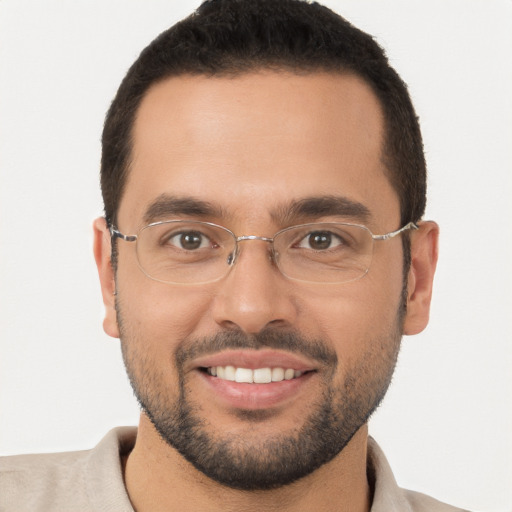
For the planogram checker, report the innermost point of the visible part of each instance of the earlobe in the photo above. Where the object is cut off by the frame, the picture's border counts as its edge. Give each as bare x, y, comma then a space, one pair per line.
424, 252
102, 255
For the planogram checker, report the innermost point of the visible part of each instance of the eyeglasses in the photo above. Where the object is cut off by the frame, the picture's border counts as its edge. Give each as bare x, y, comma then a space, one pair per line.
193, 252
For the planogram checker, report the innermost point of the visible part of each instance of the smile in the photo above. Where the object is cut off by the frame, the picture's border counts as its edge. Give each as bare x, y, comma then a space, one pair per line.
256, 376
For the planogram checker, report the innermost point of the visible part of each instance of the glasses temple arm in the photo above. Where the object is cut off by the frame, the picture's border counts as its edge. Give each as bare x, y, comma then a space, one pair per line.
410, 225
114, 233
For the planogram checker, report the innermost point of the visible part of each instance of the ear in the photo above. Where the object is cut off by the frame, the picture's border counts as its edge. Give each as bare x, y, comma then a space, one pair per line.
102, 255
424, 251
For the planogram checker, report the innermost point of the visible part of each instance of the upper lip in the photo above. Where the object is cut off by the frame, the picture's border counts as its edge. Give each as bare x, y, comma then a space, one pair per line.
254, 359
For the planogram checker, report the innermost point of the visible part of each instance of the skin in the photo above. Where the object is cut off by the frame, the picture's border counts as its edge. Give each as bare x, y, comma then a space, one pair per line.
252, 144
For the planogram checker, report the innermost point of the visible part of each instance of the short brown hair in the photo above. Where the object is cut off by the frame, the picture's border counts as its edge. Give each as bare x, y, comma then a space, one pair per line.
231, 37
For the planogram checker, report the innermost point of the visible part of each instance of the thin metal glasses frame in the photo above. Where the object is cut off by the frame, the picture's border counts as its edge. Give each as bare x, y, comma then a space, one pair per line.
115, 233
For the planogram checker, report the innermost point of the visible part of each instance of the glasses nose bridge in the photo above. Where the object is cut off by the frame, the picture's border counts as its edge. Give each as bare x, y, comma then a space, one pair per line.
244, 238
253, 237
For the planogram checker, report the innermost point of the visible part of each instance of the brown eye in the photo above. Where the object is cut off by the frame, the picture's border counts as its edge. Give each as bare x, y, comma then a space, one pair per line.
320, 241
189, 241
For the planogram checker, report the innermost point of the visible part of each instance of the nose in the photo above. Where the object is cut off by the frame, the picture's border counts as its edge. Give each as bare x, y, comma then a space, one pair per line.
254, 295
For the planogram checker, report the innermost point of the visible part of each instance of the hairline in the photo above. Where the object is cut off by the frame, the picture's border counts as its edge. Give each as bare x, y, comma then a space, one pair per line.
385, 156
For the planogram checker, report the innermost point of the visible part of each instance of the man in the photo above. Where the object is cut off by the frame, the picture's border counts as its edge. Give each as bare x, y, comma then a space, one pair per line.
262, 254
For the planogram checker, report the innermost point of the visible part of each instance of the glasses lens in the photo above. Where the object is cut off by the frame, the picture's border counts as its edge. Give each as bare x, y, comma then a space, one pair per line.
324, 253
184, 252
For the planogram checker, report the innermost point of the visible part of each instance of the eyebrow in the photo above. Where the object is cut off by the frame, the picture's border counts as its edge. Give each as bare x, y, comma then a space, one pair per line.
166, 205
311, 208
300, 210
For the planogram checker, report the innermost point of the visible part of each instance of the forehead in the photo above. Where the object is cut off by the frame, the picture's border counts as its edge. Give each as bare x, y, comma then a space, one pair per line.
252, 144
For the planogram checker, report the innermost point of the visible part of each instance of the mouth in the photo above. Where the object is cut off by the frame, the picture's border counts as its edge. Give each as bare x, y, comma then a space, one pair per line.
253, 376
248, 379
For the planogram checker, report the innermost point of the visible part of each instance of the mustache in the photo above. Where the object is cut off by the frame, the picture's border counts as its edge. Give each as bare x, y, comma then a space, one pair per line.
290, 341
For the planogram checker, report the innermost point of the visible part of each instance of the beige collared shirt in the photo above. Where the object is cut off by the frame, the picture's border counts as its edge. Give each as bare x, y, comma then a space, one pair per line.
92, 481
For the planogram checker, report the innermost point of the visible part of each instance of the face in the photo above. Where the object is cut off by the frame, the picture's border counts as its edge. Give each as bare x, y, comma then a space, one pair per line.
243, 153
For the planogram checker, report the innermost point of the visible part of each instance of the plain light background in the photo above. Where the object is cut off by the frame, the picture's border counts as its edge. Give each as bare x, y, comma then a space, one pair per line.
446, 424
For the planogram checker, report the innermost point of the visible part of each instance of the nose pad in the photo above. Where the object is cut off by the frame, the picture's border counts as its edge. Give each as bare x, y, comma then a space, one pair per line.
232, 256
273, 256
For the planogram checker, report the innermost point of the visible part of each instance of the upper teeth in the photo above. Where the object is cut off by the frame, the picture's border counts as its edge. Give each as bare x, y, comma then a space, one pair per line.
258, 376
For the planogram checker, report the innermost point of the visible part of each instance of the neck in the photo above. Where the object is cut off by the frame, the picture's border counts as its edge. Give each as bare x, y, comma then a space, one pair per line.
158, 478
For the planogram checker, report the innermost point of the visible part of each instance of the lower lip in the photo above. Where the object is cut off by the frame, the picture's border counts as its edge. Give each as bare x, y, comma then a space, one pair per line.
246, 396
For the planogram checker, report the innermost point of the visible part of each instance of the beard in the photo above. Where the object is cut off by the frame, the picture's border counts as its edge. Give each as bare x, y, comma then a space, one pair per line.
244, 460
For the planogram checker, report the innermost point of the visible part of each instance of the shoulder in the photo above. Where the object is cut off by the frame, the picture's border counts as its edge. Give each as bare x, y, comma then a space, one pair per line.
36, 482
420, 502
387, 495
58, 481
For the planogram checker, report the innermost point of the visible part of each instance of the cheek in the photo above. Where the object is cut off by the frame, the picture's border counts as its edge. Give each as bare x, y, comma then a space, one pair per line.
166, 313
356, 315
160, 314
